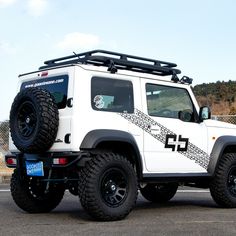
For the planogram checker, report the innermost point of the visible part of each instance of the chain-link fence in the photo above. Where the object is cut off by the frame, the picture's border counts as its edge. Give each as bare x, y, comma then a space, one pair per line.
4, 144
4, 134
225, 118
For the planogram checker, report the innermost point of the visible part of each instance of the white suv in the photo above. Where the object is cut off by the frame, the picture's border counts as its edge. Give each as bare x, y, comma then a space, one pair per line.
105, 124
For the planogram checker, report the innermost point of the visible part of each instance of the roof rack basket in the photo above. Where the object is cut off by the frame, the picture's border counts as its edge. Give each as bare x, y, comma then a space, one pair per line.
115, 61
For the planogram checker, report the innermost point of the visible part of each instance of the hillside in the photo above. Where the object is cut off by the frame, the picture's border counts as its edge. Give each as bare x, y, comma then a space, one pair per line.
220, 96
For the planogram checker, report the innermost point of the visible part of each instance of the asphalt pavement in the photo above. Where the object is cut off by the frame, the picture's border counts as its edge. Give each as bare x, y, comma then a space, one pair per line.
190, 212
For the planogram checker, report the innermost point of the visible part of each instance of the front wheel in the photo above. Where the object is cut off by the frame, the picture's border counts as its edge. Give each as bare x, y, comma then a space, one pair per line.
159, 193
223, 185
33, 196
108, 187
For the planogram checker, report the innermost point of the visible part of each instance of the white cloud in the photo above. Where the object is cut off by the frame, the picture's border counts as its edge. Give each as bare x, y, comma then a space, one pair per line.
37, 7
76, 40
5, 3
7, 48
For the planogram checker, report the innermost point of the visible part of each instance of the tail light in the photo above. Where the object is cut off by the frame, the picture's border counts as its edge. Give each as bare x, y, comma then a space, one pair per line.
60, 161
10, 160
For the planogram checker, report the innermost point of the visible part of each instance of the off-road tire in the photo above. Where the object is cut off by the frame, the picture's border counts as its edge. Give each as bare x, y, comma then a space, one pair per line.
22, 191
223, 185
108, 187
34, 120
159, 193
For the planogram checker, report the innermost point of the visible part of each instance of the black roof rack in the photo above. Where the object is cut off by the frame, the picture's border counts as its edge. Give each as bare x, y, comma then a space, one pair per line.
115, 61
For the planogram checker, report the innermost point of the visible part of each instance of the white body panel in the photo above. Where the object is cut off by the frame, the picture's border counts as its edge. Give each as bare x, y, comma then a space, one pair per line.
159, 159
217, 129
65, 115
92, 119
81, 118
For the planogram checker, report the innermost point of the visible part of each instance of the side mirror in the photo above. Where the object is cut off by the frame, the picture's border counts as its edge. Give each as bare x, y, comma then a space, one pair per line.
204, 114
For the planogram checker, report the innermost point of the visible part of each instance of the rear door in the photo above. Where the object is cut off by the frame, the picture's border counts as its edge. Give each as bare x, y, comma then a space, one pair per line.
60, 84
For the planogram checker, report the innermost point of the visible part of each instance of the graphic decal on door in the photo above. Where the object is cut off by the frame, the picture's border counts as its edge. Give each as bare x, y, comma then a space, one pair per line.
176, 143
168, 138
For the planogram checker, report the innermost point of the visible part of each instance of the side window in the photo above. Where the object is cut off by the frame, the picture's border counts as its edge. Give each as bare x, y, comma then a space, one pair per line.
170, 102
112, 95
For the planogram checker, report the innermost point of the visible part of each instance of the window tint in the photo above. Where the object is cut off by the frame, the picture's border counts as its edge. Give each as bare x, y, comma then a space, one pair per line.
57, 86
170, 102
111, 95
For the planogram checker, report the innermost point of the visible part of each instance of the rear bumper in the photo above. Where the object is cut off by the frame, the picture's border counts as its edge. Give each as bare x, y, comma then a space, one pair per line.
17, 160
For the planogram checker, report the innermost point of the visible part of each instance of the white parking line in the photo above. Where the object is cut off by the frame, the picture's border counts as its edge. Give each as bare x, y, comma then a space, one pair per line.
193, 191
179, 191
4, 190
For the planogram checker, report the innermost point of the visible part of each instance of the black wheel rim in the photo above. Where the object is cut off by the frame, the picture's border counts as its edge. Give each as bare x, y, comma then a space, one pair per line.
114, 187
26, 119
232, 181
37, 188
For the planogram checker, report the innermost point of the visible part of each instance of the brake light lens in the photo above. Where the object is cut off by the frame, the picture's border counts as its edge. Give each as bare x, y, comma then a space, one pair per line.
11, 161
60, 161
44, 73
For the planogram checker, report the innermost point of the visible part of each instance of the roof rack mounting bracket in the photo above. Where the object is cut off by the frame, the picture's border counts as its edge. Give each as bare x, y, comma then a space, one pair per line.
111, 66
175, 78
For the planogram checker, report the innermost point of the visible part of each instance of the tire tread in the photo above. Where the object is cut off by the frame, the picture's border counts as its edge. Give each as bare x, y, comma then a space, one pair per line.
218, 188
88, 177
48, 120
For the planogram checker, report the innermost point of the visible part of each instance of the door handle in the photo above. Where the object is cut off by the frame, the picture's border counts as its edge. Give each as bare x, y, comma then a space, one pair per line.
155, 129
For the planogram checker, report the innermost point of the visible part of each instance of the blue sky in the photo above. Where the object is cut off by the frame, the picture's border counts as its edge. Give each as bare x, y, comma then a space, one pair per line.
200, 36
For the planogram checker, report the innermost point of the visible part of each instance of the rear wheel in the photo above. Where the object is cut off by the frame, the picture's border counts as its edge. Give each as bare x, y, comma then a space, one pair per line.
108, 187
223, 186
159, 193
33, 195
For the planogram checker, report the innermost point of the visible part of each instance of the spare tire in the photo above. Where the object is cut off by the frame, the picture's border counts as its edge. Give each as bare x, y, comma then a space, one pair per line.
34, 120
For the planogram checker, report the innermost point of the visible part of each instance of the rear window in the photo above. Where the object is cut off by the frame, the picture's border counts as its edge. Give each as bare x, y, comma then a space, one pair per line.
57, 86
